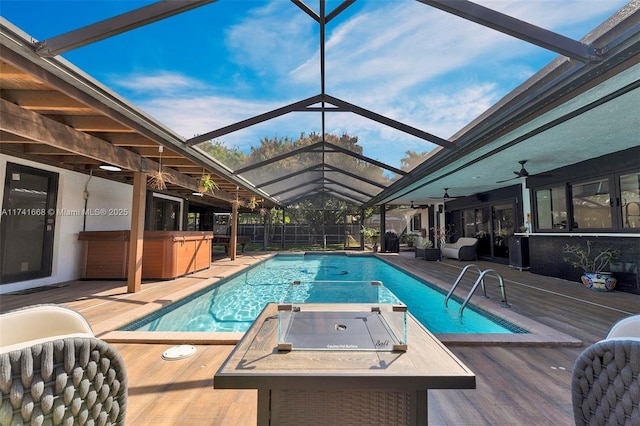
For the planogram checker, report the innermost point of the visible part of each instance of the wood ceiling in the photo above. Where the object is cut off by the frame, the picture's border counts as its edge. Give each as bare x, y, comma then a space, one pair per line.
52, 121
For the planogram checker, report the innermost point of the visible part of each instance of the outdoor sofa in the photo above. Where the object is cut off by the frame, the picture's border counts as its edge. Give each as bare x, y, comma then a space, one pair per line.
463, 249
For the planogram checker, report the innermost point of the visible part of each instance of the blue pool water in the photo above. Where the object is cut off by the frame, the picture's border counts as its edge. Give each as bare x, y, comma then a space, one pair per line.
233, 304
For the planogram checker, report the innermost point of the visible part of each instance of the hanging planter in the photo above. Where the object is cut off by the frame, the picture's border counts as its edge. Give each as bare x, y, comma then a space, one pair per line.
158, 180
206, 184
253, 203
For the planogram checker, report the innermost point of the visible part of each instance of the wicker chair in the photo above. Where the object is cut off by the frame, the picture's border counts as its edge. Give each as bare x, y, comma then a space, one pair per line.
605, 383
626, 327
54, 371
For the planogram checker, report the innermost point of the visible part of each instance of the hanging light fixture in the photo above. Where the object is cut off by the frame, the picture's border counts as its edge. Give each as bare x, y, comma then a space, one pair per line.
446, 194
110, 168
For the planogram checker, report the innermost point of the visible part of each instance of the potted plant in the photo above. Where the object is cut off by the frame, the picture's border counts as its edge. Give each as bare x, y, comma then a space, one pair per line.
410, 239
420, 249
592, 262
372, 235
427, 251
441, 235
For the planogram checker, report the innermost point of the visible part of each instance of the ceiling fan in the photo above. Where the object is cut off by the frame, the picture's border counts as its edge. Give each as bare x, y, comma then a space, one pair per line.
418, 206
522, 173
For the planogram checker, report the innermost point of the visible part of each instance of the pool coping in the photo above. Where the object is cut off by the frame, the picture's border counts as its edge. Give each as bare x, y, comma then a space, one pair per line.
539, 334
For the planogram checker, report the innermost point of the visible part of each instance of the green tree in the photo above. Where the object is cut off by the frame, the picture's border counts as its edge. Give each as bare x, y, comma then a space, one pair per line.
412, 159
230, 157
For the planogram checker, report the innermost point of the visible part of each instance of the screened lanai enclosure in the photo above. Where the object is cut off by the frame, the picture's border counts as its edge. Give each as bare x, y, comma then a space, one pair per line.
326, 122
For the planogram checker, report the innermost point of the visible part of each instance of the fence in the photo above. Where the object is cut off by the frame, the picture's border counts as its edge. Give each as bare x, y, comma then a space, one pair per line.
302, 234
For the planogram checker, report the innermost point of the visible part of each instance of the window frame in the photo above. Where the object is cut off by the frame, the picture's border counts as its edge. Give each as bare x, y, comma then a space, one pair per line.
615, 204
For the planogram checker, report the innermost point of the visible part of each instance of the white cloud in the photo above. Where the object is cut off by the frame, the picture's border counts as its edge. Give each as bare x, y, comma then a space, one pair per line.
272, 39
163, 82
404, 60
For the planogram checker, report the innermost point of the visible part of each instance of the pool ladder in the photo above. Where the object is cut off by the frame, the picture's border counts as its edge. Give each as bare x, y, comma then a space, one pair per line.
480, 280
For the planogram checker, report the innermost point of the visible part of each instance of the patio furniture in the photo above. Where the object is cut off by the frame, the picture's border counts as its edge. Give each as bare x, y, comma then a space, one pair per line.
225, 240
605, 387
327, 386
53, 369
391, 242
463, 249
626, 327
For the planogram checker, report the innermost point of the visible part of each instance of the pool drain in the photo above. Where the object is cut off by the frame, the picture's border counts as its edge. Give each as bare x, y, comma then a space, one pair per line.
179, 352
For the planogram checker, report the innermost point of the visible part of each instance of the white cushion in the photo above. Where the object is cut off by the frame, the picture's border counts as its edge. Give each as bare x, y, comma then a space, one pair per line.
40, 322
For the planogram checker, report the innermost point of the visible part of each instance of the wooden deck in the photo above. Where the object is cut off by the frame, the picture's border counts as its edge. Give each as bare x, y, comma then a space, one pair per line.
518, 383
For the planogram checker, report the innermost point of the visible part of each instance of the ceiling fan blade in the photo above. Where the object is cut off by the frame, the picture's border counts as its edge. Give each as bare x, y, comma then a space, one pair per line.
507, 180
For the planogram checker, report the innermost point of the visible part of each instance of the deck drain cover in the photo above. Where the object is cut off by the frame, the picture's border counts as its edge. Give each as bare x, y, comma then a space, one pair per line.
179, 352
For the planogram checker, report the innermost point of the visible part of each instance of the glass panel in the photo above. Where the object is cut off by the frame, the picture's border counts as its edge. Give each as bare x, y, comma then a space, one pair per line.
341, 315
552, 208
483, 216
24, 231
193, 221
591, 205
416, 222
469, 223
28, 221
630, 203
166, 215
503, 227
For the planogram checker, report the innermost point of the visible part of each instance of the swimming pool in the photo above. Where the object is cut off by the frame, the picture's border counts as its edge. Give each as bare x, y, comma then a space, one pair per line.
234, 303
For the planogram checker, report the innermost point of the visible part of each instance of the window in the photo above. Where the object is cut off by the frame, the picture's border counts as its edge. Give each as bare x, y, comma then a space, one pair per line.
469, 223
551, 208
591, 203
193, 221
630, 200
166, 213
416, 222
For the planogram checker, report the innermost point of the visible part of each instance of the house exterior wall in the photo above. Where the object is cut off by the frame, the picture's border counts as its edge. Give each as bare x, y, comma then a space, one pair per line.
548, 258
111, 202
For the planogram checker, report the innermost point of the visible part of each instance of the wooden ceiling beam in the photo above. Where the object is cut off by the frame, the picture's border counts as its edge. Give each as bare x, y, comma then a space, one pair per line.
127, 139
28, 124
41, 149
155, 153
182, 163
91, 123
77, 159
14, 78
6, 137
44, 100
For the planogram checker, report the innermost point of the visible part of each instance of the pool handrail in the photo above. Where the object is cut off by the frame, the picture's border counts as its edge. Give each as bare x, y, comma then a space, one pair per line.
480, 279
455, 284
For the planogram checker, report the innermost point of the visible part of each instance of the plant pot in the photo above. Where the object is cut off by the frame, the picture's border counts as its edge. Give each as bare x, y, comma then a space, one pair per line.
432, 254
602, 281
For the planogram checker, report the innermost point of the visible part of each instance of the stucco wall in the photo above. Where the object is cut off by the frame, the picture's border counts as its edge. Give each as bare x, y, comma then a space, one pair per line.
109, 202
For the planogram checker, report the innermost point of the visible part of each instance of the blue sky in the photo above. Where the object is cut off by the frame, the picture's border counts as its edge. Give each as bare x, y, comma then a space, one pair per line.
234, 59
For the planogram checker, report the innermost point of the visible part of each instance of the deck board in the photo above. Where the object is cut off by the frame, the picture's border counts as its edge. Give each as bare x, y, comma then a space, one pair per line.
516, 385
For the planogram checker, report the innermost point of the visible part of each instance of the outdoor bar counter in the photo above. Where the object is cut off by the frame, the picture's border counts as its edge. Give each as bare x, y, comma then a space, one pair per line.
165, 254
321, 387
